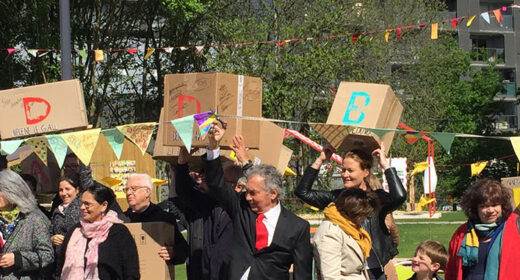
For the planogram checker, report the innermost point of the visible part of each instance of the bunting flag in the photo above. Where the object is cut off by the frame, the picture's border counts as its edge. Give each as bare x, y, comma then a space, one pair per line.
111, 181
334, 134
515, 142
289, 172
204, 121
310, 143
355, 37
199, 49
158, 182
39, 147
33, 52
184, 127
419, 167
445, 139
115, 139
82, 54
477, 167
485, 16
99, 56
149, 52
435, 31
399, 31
498, 15
430, 177
82, 143
454, 22
380, 132
58, 147
10, 51
132, 51
183, 48
9, 146
387, 34
168, 49
470, 20
139, 133
411, 137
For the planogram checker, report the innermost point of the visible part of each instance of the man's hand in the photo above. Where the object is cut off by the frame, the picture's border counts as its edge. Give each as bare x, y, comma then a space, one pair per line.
166, 253
215, 134
6, 260
57, 239
239, 147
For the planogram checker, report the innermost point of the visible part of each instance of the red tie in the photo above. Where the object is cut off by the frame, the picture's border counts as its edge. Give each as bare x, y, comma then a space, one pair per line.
261, 233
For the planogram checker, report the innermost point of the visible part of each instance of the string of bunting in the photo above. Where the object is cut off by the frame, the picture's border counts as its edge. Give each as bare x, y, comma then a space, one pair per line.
434, 26
83, 143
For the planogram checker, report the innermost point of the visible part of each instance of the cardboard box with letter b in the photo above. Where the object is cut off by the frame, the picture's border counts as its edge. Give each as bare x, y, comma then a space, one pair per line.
365, 105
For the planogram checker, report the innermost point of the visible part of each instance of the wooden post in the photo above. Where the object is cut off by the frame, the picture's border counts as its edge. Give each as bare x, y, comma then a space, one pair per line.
412, 193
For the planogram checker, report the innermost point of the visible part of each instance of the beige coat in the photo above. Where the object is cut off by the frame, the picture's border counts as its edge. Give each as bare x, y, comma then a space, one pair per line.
337, 255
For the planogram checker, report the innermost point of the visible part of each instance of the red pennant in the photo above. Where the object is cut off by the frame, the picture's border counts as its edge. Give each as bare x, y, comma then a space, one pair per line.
132, 51
422, 25
10, 51
504, 8
410, 27
281, 43
399, 31
355, 36
334, 90
498, 15
411, 137
454, 22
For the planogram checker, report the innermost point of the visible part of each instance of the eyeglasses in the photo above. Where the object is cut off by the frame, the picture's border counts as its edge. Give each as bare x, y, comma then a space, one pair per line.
133, 189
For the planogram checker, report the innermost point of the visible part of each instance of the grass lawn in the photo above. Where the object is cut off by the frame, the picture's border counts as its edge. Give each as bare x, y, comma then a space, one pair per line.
180, 272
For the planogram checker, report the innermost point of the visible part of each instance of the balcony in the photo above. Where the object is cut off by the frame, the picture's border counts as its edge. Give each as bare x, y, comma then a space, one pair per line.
506, 122
506, 25
489, 55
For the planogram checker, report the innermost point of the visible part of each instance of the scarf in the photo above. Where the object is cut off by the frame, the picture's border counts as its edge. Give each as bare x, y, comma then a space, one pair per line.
356, 232
8, 222
75, 266
470, 246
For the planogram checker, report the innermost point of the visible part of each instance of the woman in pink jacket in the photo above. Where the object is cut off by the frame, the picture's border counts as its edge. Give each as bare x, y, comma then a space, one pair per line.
488, 245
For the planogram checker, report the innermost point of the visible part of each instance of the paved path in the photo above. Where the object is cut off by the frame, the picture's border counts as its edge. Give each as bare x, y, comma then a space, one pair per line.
431, 222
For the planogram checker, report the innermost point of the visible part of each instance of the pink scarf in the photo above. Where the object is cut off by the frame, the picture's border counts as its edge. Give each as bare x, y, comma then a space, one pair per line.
75, 254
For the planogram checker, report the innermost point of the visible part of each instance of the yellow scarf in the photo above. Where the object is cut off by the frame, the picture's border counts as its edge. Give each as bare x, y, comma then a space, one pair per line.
359, 234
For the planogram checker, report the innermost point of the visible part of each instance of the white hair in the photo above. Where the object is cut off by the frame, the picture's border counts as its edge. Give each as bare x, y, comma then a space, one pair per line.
146, 177
14, 188
272, 179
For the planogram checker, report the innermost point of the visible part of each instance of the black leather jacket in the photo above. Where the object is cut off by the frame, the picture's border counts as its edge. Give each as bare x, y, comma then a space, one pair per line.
383, 248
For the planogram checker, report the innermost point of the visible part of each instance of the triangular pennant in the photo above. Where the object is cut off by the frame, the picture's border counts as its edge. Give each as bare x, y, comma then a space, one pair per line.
82, 143
399, 31
82, 54
168, 50
33, 52
115, 139
39, 147
183, 48
355, 37
149, 52
477, 167
58, 147
44, 53
411, 137
498, 15
139, 133
445, 139
387, 34
281, 43
380, 132
454, 22
10, 146
199, 49
470, 20
435, 31
504, 8
485, 16
419, 167
515, 142
184, 127
10, 51
99, 56
334, 134
158, 182
132, 51
204, 121
112, 182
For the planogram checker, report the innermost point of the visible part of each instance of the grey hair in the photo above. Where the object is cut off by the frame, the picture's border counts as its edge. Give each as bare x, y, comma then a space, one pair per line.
147, 178
14, 188
272, 179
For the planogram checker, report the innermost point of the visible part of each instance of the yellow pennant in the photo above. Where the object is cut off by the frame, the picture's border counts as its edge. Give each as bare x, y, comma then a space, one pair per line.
39, 147
289, 172
111, 181
419, 167
477, 167
149, 52
387, 34
99, 56
159, 182
82, 143
423, 202
470, 20
435, 31
139, 133
515, 142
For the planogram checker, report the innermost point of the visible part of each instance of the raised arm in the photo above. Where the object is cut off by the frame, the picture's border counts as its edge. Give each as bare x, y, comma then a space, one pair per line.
397, 194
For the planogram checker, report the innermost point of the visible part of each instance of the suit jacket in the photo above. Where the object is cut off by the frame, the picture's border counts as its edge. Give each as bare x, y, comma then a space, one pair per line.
290, 244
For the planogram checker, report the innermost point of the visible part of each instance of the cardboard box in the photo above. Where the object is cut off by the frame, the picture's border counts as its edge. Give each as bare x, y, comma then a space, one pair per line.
42, 109
271, 150
514, 184
187, 94
149, 238
365, 105
46, 175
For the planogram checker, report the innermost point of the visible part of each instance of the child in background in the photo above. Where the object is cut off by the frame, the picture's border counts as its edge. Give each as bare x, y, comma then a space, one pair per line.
430, 256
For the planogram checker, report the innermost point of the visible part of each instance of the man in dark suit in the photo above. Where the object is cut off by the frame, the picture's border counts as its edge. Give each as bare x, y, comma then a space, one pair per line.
267, 237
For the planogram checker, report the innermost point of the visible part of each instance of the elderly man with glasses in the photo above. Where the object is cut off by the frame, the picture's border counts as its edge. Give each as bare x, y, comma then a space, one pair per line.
138, 190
